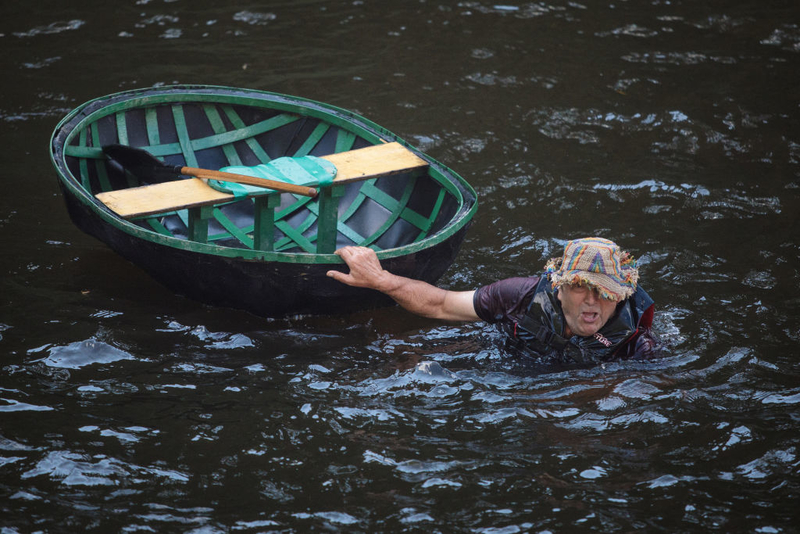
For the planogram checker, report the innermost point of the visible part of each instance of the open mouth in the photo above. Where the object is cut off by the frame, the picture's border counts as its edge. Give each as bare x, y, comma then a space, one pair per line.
590, 317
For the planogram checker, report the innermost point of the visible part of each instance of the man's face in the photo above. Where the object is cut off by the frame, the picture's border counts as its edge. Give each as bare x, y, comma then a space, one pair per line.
584, 309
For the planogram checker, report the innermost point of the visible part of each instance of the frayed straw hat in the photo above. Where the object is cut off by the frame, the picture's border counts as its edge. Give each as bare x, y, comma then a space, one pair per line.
597, 263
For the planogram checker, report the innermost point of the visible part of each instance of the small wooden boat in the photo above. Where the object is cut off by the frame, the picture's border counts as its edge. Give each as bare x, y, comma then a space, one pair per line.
259, 249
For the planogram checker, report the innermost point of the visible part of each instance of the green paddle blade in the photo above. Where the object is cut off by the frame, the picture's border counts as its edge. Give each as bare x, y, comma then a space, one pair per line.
305, 170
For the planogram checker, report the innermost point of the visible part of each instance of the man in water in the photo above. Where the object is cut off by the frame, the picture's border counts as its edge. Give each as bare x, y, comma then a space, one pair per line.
587, 307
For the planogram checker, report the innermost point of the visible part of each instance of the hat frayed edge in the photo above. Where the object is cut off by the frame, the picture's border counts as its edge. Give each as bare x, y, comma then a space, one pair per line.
626, 289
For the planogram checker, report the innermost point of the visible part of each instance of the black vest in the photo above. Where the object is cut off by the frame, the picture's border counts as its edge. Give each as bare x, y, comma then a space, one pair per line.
541, 329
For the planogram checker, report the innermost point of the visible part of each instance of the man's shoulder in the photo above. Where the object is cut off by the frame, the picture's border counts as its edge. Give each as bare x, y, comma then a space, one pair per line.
512, 287
505, 297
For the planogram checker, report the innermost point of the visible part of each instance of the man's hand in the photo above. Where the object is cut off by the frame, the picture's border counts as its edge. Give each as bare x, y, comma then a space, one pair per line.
365, 268
415, 296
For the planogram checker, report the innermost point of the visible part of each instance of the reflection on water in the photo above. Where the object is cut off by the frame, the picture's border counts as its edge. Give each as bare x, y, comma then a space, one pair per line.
669, 127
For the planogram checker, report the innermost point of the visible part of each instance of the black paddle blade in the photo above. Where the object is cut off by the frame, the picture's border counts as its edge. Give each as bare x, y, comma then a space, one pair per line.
141, 163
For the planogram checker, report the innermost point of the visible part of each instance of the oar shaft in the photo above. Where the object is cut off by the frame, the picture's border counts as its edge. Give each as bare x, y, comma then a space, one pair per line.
249, 180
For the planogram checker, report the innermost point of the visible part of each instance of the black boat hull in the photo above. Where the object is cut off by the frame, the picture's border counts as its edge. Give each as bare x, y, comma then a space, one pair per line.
266, 289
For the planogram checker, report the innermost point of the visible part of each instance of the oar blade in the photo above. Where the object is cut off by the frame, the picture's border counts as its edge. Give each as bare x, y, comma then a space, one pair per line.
142, 164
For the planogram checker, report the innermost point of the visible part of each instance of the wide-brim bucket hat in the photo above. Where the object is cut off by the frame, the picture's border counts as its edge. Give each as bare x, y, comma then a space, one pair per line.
597, 263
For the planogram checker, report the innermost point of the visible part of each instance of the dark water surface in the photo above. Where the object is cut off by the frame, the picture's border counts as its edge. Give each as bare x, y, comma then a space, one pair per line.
669, 126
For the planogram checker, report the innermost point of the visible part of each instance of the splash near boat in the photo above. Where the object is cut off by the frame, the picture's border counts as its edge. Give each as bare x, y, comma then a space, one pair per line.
238, 198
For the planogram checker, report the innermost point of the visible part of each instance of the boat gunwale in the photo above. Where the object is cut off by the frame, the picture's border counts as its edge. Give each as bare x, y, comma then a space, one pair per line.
95, 109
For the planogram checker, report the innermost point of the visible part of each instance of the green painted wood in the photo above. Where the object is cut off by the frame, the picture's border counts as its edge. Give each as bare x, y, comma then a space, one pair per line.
434, 213
264, 221
185, 145
83, 152
232, 229
218, 126
183, 136
328, 216
100, 165
151, 122
122, 138
391, 204
298, 206
251, 143
198, 223
394, 214
246, 132
313, 139
296, 237
155, 224
341, 225
122, 128
344, 141
415, 218
379, 196
83, 164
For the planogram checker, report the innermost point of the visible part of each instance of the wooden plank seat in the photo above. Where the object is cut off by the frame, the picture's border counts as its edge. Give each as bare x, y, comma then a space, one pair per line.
194, 194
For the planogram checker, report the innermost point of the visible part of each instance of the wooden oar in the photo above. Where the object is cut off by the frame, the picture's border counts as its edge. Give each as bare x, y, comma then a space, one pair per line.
144, 165
376, 161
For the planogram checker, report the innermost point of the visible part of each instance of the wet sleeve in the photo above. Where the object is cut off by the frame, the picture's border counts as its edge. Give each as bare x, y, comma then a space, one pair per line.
646, 346
503, 299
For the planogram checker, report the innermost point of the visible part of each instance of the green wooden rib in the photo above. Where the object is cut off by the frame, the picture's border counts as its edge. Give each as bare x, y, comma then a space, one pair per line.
83, 164
122, 128
122, 137
102, 175
82, 151
232, 229
185, 146
239, 124
341, 225
296, 237
214, 118
391, 204
312, 140
246, 132
415, 218
434, 213
344, 141
183, 136
394, 214
151, 122
167, 149
156, 225
185, 149
294, 233
379, 196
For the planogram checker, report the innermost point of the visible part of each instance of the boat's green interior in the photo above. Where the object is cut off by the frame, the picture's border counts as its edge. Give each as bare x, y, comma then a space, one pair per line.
383, 213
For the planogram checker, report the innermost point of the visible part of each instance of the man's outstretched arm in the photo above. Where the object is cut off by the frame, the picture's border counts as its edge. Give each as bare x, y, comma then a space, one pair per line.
416, 296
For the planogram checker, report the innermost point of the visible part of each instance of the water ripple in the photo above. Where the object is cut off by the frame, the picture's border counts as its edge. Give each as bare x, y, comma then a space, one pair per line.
52, 28
12, 405
787, 37
83, 353
73, 469
677, 58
